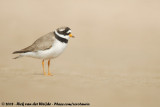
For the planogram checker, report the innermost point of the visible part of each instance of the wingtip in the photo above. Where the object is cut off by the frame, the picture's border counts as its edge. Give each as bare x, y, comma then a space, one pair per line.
13, 52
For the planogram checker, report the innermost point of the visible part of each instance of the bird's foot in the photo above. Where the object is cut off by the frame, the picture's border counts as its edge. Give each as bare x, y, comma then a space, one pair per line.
50, 74
45, 74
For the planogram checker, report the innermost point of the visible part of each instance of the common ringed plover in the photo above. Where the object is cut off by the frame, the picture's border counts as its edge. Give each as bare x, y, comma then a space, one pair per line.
48, 46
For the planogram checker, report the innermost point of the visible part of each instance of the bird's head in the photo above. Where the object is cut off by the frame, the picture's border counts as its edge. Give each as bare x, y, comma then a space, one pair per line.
64, 32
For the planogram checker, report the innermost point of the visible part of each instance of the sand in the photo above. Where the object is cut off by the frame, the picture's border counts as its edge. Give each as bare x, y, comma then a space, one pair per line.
114, 61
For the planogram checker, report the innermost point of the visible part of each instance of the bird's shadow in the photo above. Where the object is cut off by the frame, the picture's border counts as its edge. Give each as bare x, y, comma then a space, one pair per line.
38, 74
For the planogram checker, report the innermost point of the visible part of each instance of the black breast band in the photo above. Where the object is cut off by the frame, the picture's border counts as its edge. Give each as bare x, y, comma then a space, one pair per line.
60, 38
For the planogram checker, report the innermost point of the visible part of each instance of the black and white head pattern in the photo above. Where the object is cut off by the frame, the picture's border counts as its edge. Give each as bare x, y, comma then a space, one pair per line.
62, 34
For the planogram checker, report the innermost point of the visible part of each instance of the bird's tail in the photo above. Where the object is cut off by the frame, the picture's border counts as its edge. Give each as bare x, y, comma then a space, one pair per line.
18, 52
18, 57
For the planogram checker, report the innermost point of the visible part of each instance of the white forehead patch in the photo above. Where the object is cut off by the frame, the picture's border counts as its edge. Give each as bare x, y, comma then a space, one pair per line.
69, 31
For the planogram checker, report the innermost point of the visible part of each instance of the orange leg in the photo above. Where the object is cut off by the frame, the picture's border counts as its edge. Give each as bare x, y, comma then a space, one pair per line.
43, 67
48, 68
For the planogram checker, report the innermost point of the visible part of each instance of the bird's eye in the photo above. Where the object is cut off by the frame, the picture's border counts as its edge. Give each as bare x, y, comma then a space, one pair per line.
69, 31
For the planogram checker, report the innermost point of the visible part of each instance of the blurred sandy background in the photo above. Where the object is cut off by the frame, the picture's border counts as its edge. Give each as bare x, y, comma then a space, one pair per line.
114, 61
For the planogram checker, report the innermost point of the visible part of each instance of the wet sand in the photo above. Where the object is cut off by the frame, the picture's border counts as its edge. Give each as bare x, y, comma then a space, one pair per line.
114, 60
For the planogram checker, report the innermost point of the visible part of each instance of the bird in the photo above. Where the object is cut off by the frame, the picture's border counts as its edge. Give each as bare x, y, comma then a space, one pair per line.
47, 47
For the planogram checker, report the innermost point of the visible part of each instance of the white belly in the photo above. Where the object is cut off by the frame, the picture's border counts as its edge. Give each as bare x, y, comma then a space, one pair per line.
56, 49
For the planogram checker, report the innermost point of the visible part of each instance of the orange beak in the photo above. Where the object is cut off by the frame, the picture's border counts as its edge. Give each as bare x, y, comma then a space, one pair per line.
70, 35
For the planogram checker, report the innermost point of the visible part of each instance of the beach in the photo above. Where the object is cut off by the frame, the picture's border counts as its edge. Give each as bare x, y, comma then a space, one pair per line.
113, 61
